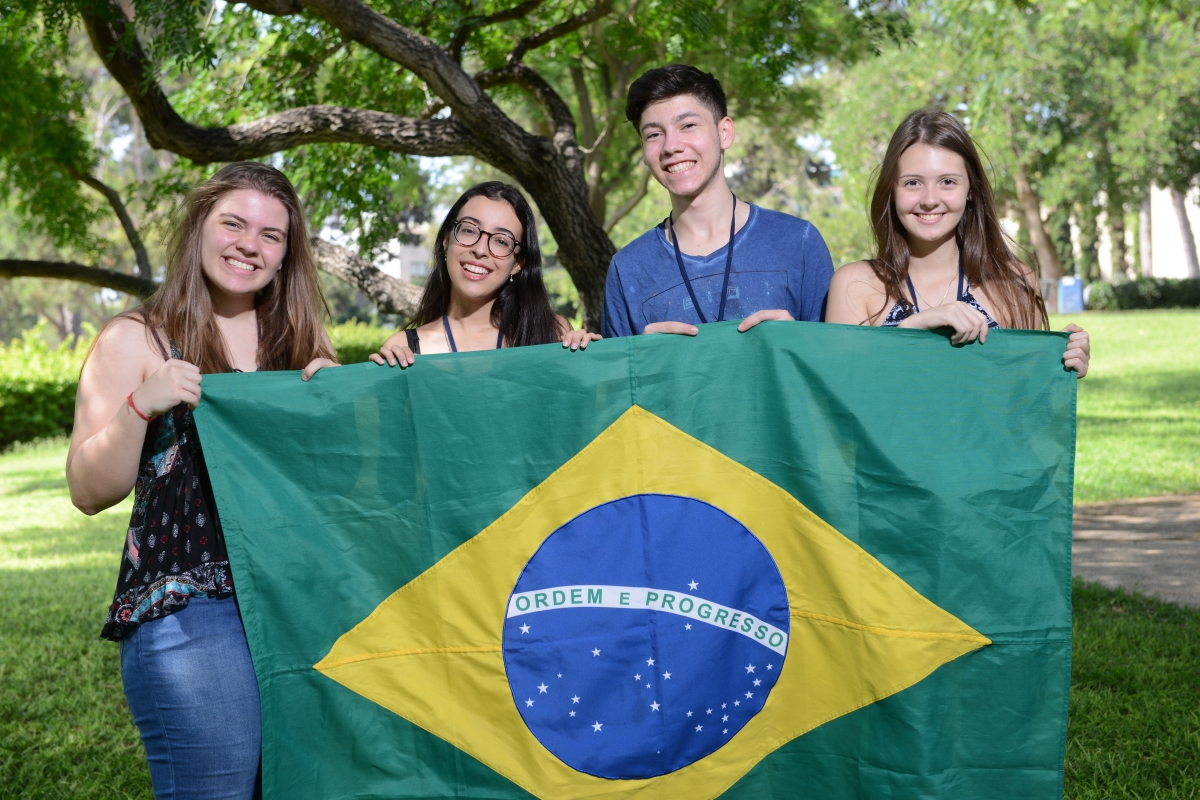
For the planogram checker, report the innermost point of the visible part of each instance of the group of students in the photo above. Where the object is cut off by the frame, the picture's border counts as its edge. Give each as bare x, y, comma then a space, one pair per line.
242, 294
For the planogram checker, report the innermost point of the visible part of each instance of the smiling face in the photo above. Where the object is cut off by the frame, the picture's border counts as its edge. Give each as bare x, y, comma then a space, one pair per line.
476, 273
931, 192
243, 242
682, 144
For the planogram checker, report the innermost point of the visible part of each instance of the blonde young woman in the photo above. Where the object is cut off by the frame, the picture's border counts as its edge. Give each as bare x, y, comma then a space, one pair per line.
941, 259
241, 294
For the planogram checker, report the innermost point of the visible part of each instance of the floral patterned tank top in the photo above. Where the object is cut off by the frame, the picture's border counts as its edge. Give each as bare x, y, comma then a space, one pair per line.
174, 549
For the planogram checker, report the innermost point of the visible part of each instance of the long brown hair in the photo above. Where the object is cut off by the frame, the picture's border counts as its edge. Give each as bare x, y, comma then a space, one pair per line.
522, 310
290, 308
987, 257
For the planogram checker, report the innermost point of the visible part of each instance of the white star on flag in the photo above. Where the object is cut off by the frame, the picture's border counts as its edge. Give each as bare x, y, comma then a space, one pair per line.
654, 706
687, 626
528, 703
542, 688
699, 728
709, 711
737, 702
724, 704
596, 652
637, 677
572, 713
575, 699
666, 676
749, 695
693, 585
597, 727
524, 629
770, 666
757, 681
649, 662
689, 713
750, 668
725, 718
725, 731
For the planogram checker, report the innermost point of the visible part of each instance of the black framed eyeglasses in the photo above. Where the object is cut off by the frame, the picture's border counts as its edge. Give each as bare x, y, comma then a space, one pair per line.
500, 245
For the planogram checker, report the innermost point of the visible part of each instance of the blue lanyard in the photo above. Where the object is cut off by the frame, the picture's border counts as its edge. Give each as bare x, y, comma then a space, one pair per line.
450, 336
728, 266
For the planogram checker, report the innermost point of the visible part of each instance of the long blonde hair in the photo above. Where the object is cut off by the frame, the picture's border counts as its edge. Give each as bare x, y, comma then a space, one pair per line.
290, 308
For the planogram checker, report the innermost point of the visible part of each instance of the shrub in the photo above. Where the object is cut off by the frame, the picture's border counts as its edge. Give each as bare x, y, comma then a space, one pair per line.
1145, 293
38, 381
354, 341
37, 386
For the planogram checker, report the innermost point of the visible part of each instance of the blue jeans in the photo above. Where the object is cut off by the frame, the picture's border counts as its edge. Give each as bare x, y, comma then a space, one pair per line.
191, 687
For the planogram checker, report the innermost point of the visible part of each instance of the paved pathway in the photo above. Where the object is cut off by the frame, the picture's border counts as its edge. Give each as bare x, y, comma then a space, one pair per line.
1152, 544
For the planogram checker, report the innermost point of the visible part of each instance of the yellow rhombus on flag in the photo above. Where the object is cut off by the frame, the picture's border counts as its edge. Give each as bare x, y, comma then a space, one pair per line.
439, 651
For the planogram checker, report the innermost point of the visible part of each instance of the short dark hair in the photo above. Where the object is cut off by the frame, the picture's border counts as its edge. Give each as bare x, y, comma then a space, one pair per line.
673, 80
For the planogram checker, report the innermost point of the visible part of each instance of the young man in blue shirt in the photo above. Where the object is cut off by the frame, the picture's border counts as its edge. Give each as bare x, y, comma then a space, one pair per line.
687, 271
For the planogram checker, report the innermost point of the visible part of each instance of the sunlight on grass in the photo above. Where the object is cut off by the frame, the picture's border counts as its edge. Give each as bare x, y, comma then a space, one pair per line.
67, 732
1139, 407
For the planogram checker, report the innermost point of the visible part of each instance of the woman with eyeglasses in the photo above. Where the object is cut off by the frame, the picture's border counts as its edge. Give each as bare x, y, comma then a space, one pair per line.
486, 289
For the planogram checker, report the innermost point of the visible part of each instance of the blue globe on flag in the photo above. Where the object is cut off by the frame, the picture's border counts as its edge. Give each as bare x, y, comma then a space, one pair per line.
644, 634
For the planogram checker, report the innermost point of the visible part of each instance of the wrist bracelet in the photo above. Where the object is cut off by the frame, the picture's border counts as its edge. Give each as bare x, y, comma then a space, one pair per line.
129, 400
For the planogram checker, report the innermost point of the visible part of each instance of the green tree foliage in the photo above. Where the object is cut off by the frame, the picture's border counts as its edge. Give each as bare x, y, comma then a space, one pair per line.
42, 141
558, 71
1087, 103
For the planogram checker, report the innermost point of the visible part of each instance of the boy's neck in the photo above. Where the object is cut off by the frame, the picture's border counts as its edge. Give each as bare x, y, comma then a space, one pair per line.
704, 217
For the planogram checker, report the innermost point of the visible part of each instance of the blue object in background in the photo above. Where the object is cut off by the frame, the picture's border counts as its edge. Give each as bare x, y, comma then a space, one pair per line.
1070, 295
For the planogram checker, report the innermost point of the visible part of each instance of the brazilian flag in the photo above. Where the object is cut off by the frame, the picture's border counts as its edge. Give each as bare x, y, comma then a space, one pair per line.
809, 560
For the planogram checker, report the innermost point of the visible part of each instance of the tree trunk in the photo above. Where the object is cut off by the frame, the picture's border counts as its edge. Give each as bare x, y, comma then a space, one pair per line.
1031, 209
1185, 231
1145, 231
584, 248
1116, 238
1089, 240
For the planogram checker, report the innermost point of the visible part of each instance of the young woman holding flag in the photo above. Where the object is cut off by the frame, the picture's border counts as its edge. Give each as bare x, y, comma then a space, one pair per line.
941, 259
486, 289
241, 294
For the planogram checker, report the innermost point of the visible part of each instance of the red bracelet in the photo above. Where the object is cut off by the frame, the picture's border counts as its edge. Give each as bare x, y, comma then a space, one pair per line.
129, 400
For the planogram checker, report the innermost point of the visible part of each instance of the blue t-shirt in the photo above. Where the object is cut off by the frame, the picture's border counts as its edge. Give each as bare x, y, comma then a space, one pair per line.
779, 261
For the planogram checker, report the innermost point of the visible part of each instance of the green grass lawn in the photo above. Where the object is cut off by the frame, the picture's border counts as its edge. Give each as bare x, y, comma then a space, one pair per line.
1139, 407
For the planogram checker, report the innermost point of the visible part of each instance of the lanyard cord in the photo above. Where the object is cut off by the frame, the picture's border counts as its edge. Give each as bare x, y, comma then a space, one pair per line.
450, 336
728, 266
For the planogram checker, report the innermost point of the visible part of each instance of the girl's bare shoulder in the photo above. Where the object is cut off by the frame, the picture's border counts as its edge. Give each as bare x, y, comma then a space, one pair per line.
126, 339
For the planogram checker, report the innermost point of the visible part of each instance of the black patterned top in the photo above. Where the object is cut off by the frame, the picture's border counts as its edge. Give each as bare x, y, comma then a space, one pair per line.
174, 549
901, 312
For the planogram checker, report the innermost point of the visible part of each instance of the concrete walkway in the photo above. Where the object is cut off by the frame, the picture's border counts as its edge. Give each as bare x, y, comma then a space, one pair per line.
1151, 544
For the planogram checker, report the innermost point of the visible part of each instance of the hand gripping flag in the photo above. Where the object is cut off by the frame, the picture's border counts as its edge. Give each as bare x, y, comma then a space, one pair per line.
808, 560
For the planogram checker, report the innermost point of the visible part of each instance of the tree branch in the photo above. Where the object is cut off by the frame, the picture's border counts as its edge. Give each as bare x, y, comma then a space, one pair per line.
622, 210
277, 8
165, 129
131, 232
553, 104
70, 271
390, 295
512, 147
536, 40
471, 24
